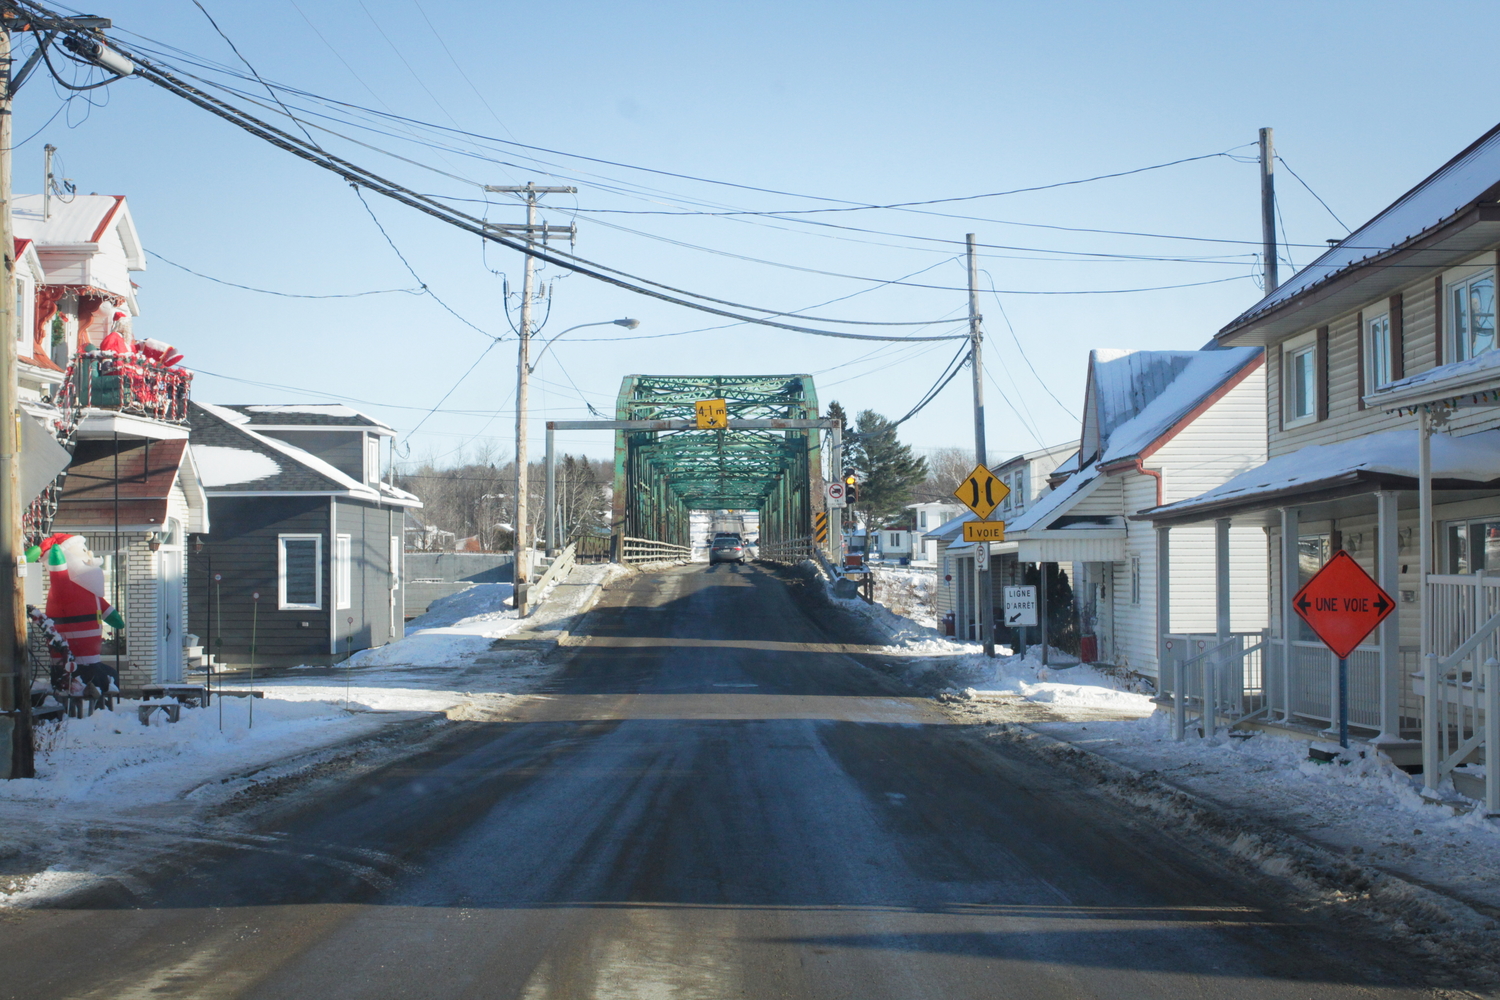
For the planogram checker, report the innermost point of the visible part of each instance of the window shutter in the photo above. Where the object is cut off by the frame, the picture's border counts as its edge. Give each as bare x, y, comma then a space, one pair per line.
1437, 320
1359, 356
1322, 372
1398, 339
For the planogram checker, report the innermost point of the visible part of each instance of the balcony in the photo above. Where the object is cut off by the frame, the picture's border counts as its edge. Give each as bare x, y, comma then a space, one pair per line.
106, 393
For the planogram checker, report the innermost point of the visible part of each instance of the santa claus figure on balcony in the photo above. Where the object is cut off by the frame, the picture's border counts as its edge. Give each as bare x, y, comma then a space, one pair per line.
76, 605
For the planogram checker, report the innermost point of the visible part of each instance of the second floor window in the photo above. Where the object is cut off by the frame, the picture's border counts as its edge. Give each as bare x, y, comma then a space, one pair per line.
1377, 352
1471, 315
1302, 383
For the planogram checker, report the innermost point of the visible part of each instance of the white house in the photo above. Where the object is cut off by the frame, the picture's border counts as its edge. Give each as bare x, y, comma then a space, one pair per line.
1157, 426
927, 517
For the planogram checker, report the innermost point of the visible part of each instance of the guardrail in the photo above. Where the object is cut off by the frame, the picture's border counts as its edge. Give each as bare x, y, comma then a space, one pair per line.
646, 550
789, 550
557, 571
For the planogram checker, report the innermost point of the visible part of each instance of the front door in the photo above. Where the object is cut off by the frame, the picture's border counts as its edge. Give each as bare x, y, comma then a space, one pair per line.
169, 593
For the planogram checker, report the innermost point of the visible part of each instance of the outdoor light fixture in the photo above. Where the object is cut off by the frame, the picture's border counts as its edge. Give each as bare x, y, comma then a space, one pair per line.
197, 545
627, 323
153, 541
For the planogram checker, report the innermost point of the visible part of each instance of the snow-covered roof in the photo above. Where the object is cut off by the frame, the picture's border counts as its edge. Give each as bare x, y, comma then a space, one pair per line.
83, 219
1471, 459
219, 465
1452, 188
1460, 383
1133, 398
1052, 503
307, 414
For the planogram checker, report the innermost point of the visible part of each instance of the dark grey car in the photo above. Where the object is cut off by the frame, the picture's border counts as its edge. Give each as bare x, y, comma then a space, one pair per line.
726, 550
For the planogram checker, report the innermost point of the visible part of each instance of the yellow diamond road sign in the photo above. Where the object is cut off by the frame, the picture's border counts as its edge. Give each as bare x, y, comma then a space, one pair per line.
984, 531
712, 414
981, 492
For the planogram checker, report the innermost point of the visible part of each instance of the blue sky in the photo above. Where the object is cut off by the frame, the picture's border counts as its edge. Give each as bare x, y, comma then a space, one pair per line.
866, 102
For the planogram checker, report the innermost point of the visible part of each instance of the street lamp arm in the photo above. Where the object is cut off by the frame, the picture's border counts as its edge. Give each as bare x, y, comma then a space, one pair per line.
629, 324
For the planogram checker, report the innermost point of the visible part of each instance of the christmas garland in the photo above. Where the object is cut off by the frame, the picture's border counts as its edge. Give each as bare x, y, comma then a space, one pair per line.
59, 646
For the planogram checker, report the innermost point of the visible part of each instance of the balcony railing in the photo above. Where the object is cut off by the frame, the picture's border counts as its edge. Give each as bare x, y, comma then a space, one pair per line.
125, 383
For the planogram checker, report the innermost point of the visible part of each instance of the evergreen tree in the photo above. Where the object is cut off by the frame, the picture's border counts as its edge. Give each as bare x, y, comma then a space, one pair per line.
888, 470
1062, 612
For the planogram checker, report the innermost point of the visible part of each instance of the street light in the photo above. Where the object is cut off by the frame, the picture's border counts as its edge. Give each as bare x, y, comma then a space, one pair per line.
627, 323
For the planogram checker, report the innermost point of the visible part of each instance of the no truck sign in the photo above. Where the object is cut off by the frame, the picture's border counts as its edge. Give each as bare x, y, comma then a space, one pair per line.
1342, 604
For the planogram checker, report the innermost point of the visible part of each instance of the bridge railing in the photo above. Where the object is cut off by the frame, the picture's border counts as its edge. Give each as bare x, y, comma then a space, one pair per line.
787, 550
645, 550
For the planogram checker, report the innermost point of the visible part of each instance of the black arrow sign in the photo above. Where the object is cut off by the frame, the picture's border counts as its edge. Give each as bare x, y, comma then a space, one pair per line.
1304, 604
1015, 618
1381, 604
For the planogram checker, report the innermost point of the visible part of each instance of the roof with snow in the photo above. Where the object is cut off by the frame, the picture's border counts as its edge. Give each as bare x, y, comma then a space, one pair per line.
1451, 192
1386, 459
82, 219
306, 414
232, 457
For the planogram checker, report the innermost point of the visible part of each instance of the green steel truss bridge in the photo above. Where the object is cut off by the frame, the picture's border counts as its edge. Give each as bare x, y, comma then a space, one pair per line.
766, 458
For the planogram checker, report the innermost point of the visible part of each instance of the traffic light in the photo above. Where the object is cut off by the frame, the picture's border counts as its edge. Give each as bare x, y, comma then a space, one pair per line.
851, 488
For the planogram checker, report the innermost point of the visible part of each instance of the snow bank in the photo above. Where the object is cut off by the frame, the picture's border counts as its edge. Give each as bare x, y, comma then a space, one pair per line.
110, 756
1078, 686
455, 629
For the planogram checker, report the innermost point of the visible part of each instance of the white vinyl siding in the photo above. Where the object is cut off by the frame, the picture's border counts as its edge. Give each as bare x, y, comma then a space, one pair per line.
299, 572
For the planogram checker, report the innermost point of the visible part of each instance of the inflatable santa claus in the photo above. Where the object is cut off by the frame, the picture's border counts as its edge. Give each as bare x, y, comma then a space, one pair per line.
76, 605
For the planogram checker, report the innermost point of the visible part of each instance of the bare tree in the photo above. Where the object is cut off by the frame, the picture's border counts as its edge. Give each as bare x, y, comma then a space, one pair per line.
946, 468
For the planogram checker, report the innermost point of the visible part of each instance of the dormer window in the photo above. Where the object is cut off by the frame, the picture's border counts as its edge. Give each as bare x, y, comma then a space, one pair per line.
372, 460
1471, 315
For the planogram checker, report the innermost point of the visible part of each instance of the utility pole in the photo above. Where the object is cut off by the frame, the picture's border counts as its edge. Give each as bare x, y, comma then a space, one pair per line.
1268, 207
981, 556
529, 231
15, 694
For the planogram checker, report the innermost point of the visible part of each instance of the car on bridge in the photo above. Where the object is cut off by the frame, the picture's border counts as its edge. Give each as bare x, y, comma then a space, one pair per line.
727, 549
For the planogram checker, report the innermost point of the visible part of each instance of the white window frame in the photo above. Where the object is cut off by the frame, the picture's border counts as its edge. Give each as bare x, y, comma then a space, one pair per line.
1380, 364
1458, 347
372, 459
1307, 344
281, 601
343, 572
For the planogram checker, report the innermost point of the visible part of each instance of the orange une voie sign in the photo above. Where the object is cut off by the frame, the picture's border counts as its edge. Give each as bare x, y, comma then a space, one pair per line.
1342, 604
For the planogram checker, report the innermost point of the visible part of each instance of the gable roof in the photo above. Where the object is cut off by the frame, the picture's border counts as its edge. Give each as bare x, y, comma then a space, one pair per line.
81, 220
1447, 195
306, 415
1136, 400
231, 457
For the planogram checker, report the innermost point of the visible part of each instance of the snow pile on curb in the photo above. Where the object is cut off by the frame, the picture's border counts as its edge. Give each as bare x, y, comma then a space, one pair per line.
455, 629
1074, 686
110, 756
908, 593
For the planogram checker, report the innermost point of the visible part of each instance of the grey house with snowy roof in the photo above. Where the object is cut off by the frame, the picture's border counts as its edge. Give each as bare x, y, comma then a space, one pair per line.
1378, 351
306, 553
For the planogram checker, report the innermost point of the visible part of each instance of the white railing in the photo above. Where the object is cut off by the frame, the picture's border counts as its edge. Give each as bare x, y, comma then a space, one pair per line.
1231, 669
1460, 679
1302, 676
646, 550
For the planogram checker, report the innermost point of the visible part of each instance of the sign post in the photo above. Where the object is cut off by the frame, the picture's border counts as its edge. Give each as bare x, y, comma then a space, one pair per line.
1343, 605
982, 492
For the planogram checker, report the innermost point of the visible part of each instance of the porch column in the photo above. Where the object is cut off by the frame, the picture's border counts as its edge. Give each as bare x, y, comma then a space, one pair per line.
1431, 731
1388, 575
1212, 664
1291, 582
1167, 674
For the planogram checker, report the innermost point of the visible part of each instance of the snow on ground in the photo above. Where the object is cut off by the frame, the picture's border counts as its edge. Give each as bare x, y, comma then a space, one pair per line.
1065, 686
1367, 809
454, 629
909, 593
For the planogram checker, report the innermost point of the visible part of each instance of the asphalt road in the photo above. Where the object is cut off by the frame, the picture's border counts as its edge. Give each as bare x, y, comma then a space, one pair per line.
714, 801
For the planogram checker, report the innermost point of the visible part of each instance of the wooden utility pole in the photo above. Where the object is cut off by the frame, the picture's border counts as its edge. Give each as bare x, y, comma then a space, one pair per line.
15, 687
981, 551
530, 231
1268, 207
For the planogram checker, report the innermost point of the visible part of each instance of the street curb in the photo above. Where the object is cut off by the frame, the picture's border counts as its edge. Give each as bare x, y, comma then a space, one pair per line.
1462, 935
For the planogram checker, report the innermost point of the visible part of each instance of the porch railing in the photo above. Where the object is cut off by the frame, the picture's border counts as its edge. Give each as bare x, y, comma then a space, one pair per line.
127, 383
1460, 681
1302, 675
1232, 670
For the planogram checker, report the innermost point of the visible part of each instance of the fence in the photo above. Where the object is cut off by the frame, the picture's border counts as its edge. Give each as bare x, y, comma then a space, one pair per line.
789, 550
1231, 669
555, 572
645, 550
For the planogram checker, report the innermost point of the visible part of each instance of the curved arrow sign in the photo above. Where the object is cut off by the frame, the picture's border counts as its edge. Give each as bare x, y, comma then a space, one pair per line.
1342, 604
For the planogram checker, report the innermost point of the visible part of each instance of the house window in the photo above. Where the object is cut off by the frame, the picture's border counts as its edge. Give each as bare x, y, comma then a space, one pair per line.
342, 572
1302, 383
372, 460
922, 519
1473, 546
1135, 579
299, 572
1377, 352
1471, 315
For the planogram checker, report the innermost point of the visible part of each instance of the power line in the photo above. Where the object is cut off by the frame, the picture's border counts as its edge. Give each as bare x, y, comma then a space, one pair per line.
285, 295
1313, 193
949, 373
1006, 316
